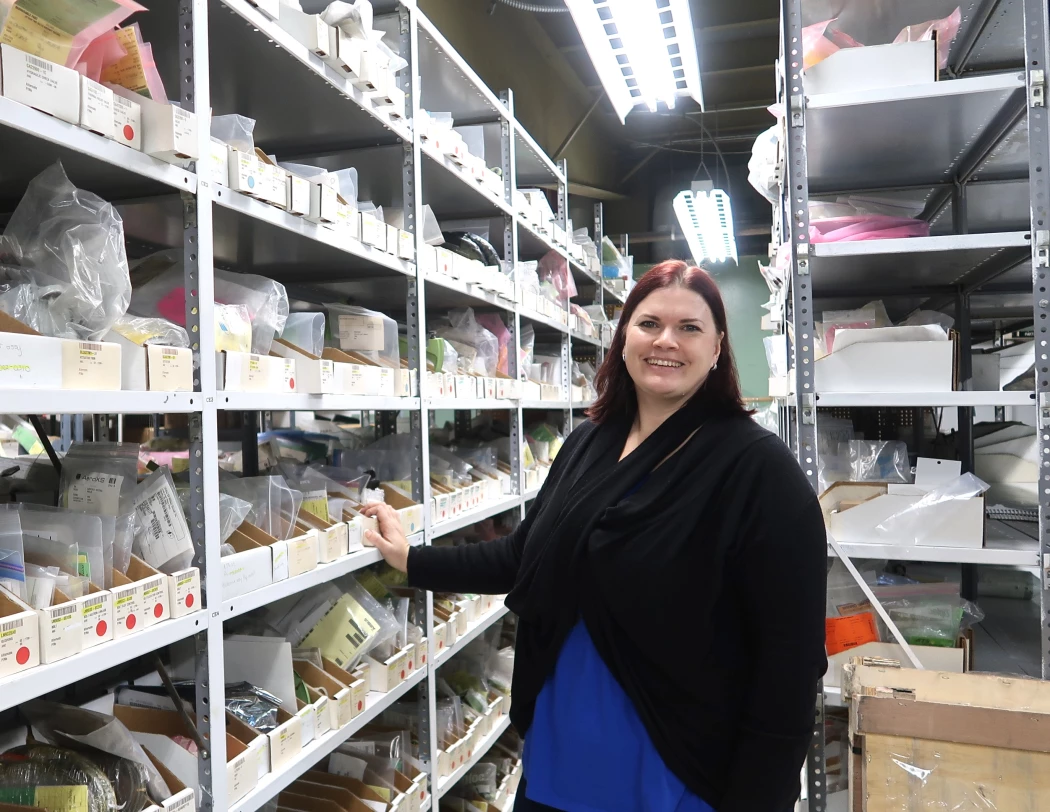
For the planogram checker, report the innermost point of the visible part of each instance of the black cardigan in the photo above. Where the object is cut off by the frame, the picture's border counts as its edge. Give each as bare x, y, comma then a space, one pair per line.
751, 689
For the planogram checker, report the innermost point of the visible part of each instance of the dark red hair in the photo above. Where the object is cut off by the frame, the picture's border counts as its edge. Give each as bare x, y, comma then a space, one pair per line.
721, 390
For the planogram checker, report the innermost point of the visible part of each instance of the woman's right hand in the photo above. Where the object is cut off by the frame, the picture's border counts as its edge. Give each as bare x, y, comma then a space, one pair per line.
390, 540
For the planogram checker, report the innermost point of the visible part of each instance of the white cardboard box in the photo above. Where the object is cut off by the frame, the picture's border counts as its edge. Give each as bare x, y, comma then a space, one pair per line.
308, 29
37, 83
30, 361
127, 122
851, 70
333, 538
19, 635
891, 366
250, 568
96, 609
184, 592
169, 132
153, 367
247, 372
96, 107
242, 171
313, 375
61, 629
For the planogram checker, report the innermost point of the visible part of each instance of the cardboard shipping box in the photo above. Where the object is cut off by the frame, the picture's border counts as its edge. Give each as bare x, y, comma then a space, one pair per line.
140, 598
29, 360
43, 85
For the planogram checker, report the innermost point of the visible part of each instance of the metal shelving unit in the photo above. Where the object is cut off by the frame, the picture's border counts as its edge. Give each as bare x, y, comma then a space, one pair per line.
975, 146
227, 56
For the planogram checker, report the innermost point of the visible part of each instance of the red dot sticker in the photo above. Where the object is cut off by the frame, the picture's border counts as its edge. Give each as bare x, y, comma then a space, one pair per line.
423, 659
422, 794
189, 600
360, 705
129, 132
130, 623
22, 657
441, 645
291, 383
100, 628
158, 610
409, 665
402, 673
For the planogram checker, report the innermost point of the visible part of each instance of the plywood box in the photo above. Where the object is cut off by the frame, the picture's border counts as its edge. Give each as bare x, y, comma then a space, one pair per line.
937, 740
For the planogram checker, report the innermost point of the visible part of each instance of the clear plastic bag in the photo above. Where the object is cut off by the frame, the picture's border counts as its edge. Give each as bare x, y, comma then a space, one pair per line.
921, 519
162, 536
12, 556
879, 461
98, 477
353, 623
136, 72
232, 513
818, 43
66, 272
554, 268
235, 131
144, 331
945, 30
923, 317
763, 169
494, 324
306, 331
233, 328
465, 334
929, 614
275, 506
368, 333
71, 527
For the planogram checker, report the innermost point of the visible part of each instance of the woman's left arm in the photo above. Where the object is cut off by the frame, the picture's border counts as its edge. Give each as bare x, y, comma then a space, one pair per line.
783, 588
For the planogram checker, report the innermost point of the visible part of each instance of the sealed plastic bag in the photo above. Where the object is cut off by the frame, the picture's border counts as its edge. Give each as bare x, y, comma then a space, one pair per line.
96, 477
72, 527
929, 614
144, 331
879, 461
233, 328
352, 626
494, 324
365, 332
162, 536
763, 169
235, 131
66, 270
306, 331
275, 506
137, 70
466, 335
554, 268
944, 29
921, 519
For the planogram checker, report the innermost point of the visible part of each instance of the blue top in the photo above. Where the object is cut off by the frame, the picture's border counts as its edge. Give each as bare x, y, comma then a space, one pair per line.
587, 749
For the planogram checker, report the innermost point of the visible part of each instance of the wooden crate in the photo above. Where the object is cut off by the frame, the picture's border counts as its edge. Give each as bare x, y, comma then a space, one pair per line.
932, 740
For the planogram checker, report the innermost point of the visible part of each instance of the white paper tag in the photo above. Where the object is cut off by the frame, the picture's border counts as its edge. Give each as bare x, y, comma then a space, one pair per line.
342, 764
165, 533
361, 332
95, 493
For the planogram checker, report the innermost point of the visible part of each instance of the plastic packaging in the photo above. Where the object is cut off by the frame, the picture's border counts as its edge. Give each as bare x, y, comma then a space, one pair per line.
554, 268
233, 328
97, 477
306, 331
763, 168
67, 270
818, 43
69, 527
235, 131
275, 506
365, 332
253, 706
136, 71
929, 614
924, 317
866, 227
232, 513
144, 331
353, 625
61, 30
879, 461
162, 537
921, 519
494, 324
945, 30
12, 557
478, 348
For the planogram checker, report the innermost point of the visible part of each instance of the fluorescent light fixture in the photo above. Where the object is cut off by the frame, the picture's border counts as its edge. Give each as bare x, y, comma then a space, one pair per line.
706, 219
643, 50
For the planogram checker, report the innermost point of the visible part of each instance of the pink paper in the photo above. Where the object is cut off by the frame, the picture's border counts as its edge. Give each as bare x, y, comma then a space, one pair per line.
866, 227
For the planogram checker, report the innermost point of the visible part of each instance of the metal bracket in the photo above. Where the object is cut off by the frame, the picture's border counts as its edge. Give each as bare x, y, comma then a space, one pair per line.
809, 409
798, 109
1037, 88
1042, 249
1044, 410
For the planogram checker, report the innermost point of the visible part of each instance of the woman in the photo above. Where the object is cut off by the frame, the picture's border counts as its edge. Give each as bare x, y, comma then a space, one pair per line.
669, 581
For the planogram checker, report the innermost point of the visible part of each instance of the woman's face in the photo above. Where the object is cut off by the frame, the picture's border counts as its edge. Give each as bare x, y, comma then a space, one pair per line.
671, 343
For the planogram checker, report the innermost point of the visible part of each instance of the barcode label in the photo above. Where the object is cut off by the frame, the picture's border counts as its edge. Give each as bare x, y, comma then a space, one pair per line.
65, 611
40, 64
169, 354
85, 345
10, 627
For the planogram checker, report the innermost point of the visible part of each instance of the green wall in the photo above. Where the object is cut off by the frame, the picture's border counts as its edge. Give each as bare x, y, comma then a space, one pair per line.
744, 292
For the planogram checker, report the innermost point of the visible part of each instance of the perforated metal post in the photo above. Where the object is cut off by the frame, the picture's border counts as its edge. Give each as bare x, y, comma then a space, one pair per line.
599, 293
415, 304
1037, 62
796, 200
510, 254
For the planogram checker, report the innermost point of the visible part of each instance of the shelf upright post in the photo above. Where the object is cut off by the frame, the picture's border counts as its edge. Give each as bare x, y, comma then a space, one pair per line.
203, 427
796, 191
599, 296
1037, 62
415, 310
509, 167
566, 339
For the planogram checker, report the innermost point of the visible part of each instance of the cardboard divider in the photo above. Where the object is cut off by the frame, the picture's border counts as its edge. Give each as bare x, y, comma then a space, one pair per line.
20, 638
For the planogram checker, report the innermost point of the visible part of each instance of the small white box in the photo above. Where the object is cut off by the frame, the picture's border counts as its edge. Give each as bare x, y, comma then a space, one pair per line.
243, 172
247, 372
315, 376
324, 200
885, 366
298, 195
96, 107
392, 240
250, 568
97, 616
154, 367
28, 360
61, 629
851, 70
184, 592
373, 232
218, 162
43, 85
127, 123
308, 29
169, 132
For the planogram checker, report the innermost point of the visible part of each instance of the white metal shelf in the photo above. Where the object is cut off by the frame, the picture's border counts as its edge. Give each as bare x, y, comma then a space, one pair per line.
476, 629
91, 401
533, 164
293, 402
553, 405
478, 194
920, 399
34, 682
273, 783
471, 404
33, 140
354, 561
1005, 553
532, 493
540, 318
474, 293
482, 747
585, 339
535, 244
469, 517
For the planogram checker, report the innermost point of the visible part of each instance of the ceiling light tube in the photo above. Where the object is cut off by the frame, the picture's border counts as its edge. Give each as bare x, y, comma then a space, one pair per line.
644, 51
706, 219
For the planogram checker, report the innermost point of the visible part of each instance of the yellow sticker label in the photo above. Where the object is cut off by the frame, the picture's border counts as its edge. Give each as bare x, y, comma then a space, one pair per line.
34, 35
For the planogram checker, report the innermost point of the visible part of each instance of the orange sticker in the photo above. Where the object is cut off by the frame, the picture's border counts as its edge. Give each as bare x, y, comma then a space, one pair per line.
843, 633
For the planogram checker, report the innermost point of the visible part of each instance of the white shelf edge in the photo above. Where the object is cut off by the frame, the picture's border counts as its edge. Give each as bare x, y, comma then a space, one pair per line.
475, 404
273, 783
352, 562
473, 291
532, 493
543, 238
540, 318
446, 783
1015, 556
279, 218
61, 133
918, 399
545, 404
996, 82
584, 339
918, 245
583, 404
476, 628
292, 402
92, 401
469, 517
31, 683
286, 42
545, 159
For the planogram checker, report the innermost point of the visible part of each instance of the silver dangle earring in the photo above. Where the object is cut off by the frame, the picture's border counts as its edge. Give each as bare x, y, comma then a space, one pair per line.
623, 355
715, 366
